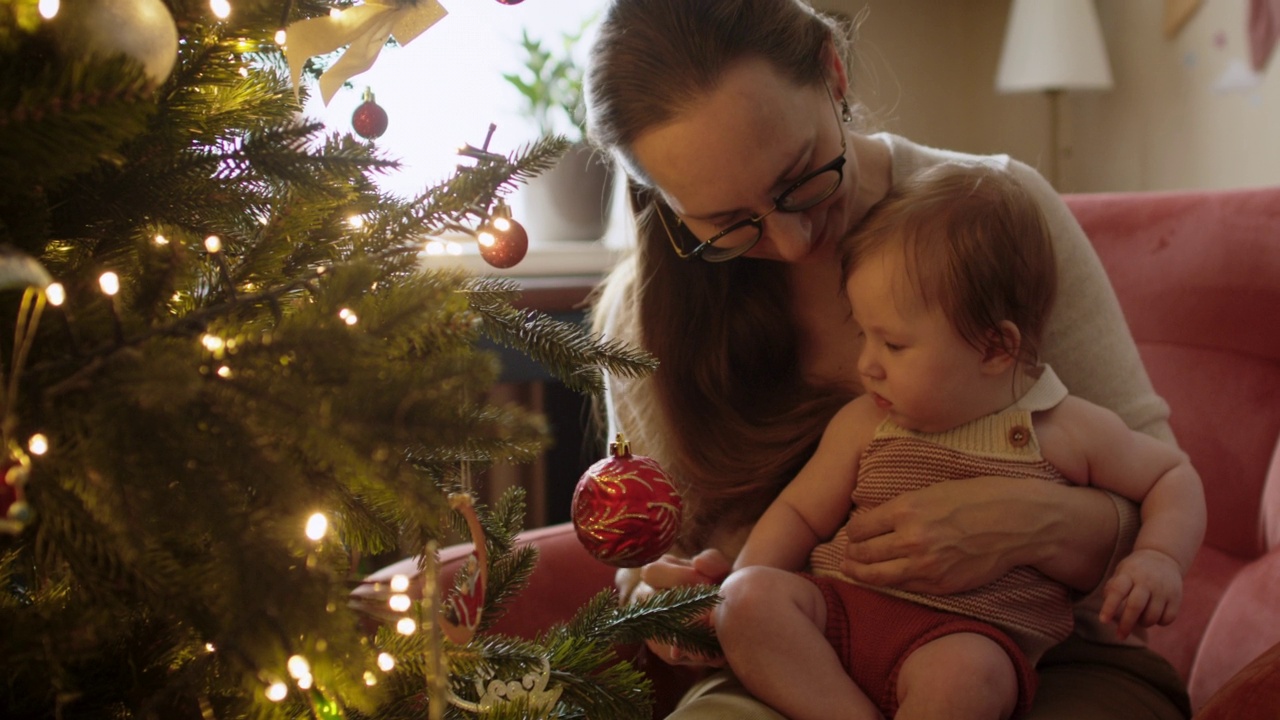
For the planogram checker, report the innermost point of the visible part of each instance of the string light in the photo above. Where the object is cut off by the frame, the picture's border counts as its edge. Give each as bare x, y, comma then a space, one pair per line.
49, 8
277, 691
298, 666
56, 294
109, 282
209, 647
281, 36
212, 343
221, 9
38, 444
213, 243
224, 372
348, 316
399, 583
356, 221
317, 526
386, 662
399, 602
160, 240
433, 248
406, 626
370, 679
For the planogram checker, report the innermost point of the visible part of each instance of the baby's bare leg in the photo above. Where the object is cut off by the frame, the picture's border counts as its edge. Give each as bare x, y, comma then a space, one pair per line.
965, 676
770, 624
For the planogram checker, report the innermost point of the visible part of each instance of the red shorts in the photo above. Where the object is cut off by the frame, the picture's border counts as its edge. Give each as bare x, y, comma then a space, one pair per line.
873, 634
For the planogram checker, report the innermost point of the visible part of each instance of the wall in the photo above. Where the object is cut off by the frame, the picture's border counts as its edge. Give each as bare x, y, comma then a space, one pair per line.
928, 68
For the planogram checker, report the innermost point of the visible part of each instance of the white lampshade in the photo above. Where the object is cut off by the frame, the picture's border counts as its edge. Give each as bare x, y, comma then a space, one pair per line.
1053, 45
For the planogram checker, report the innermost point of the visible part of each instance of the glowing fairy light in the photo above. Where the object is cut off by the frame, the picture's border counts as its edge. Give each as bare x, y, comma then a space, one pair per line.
109, 282
348, 316
281, 36
370, 679
224, 372
453, 248
49, 8
501, 224
277, 691
213, 243
406, 626
56, 294
298, 666
433, 248
160, 240
399, 583
306, 681
208, 647
317, 526
486, 238
356, 222
221, 9
399, 602
212, 343
386, 662
38, 444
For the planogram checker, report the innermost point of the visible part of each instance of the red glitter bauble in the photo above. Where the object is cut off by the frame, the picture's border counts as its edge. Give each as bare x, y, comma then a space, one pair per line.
625, 508
369, 120
503, 243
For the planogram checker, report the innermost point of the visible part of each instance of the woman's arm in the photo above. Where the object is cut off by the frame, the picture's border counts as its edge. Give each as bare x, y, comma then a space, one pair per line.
957, 535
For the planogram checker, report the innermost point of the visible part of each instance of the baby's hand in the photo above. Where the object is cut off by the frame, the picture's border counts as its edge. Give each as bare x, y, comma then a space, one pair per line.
1146, 589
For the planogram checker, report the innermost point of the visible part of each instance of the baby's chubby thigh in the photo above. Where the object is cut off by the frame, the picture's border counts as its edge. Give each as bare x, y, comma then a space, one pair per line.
763, 602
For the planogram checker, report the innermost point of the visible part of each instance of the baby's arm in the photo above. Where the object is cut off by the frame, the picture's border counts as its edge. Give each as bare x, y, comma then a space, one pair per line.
816, 503
1147, 586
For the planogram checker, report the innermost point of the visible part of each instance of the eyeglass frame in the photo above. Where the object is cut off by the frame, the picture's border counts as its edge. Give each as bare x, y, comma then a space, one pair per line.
757, 221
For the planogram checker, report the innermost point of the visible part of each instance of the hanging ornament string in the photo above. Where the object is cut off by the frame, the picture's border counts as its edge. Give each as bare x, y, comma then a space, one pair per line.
364, 29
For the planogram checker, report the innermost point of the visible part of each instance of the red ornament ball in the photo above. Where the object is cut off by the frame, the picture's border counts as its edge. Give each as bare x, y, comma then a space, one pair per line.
369, 120
625, 509
503, 243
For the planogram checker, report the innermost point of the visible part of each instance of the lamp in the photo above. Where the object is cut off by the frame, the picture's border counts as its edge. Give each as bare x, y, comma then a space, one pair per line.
1051, 46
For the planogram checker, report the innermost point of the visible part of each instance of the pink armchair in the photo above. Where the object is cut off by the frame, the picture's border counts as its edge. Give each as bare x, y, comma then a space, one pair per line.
1198, 276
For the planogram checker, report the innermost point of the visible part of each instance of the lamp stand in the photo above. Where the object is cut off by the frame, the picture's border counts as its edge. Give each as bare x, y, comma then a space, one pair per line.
1055, 147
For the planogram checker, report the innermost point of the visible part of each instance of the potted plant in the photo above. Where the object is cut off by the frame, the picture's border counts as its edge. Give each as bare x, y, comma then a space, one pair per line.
570, 201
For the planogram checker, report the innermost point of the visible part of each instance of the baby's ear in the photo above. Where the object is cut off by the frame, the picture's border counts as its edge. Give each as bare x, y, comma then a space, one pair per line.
1002, 350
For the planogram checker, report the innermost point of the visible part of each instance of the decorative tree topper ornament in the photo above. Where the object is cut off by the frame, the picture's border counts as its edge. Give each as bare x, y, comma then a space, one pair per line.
625, 508
141, 29
365, 29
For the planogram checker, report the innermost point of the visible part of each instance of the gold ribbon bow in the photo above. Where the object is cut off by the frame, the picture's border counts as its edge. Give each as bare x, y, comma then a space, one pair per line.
364, 29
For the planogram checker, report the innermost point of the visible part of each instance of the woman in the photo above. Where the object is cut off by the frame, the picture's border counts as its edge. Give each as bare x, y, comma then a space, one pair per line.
733, 119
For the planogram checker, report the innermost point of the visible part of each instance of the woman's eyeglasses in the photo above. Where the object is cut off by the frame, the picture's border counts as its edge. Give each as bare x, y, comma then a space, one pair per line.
741, 236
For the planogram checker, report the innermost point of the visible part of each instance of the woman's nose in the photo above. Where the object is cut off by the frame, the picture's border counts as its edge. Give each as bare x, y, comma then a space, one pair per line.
789, 233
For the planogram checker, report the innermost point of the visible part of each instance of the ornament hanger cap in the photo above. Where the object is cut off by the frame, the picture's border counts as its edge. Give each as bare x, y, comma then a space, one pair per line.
620, 447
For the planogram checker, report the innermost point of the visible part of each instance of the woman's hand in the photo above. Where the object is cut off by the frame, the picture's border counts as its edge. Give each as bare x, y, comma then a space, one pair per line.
954, 536
708, 567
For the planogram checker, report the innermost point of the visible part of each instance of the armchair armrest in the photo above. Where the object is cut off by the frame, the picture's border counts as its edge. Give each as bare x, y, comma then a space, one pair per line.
1244, 625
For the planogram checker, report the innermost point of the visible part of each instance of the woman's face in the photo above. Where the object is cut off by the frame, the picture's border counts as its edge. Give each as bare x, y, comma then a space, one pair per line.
731, 153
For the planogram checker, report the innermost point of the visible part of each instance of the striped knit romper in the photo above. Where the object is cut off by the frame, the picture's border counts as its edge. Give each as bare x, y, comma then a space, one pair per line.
874, 629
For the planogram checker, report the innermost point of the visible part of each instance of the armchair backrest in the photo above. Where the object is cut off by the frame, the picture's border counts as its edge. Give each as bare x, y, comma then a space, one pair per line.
1198, 277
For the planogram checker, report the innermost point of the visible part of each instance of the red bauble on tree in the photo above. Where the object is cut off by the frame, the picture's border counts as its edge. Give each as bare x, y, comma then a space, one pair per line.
625, 508
369, 120
503, 242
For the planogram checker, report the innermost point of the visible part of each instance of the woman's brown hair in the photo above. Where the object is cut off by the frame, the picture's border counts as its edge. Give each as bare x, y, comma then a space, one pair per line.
729, 383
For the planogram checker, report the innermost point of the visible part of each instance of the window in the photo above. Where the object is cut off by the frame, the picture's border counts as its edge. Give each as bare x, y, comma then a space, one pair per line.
444, 88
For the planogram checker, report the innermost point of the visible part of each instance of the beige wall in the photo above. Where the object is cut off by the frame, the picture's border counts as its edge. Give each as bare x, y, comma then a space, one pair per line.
929, 69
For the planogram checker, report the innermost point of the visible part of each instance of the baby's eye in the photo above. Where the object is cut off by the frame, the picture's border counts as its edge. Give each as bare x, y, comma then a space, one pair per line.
893, 347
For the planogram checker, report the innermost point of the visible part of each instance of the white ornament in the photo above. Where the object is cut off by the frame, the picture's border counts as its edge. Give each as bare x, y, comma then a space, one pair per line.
141, 29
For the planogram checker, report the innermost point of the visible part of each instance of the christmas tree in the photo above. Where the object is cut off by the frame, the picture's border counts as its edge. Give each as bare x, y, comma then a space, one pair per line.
229, 380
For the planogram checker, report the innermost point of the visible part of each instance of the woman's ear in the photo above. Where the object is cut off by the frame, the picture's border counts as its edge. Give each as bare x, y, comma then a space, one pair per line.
1003, 346
834, 70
